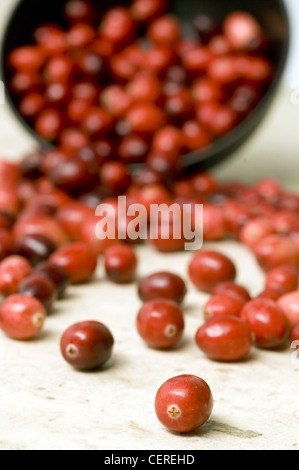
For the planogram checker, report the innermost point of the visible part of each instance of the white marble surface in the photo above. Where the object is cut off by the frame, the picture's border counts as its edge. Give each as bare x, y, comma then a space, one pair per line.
45, 404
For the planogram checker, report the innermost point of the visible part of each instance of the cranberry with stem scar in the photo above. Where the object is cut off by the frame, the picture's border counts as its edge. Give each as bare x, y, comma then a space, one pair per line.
220, 305
184, 403
160, 323
87, 345
163, 284
225, 338
267, 321
22, 317
208, 268
120, 263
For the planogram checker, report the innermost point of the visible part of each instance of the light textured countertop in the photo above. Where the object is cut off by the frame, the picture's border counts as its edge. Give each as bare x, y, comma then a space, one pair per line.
45, 404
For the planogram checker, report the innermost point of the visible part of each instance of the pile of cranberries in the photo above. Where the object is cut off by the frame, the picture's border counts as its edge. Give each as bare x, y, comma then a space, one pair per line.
170, 91
131, 86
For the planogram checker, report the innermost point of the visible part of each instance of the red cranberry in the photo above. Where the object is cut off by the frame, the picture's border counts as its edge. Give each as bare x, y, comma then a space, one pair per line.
232, 289
275, 250
289, 303
132, 149
219, 119
31, 105
115, 177
168, 141
206, 27
59, 69
214, 226
27, 58
72, 217
21, 316
116, 100
56, 274
39, 287
220, 305
282, 277
36, 248
267, 321
118, 25
158, 59
6, 243
147, 10
195, 136
144, 87
271, 293
197, 59
10, 203
79, 10
13, 270
165, 31
97, 122
209, 268
270, 189
145, 118
40, 225
78, 260
72, 175
51, 39
164, 285
87, 345
160, 323
241, 29
225, 338
49, 124
120, 263
184, 403
254, 230
80, 35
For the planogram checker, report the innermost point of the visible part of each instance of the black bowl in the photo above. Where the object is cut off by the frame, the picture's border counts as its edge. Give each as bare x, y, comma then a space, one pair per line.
272, 15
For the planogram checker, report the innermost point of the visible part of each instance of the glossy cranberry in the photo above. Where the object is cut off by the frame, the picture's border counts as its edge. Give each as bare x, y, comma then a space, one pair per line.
115, 177
158, 59
275, 250
267, 321
24, 82
282, 277
294, 336
132, 149
206, 27
184, 403
116, 100
241, 29
118, 25
208, 268
72, 217
204, 89
87, 345
39, 287
220, 305
269, 188
197, 60
214, 227
232, 289
10, 203
164, 285
145, 118
31, 105
160, 323
22, 317
86, 91
285, 221
79, 10
72, 175
121, 263
224, 338
179, 105
59, 69
147, 10
165, 31
97, 122
76, 110
163, 164
273, 293
51, 39
144, 87
80, 35
56, 274
255, 230
223, 71
13, 270
219, 119
289, 303
168, 141
41, 225
26, 58
236, 215
49, 124
36, 248
89, 65
78, 260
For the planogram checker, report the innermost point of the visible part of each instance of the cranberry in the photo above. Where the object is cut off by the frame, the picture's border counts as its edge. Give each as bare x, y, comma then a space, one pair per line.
267, 321
78, 260
97, 122
160, 323
232, 289
10, 203
222, 70
158, 59
73, 139
164, 285
206, 27
220, 305
144, 87
39, 287
168, 141
209, 268
116, 100
224, 338
270, 189
120, 263
145, 118
79, 10
72, 217
214, 226
147, 10
86, 91
56, 274
289, 303
179, 105
219, 119
118, 25
6, 243
132, 149
241, 29
21, 316
282, 277
36, 248
184, 403
271, 293
275, 250
40, 225
254, 230
13, 270
72, 175
87, 345
24, 82
115, 177
26, 58
59, 69
51, 39
80, 35
77, 108
31, 105
197, 59
165, 31
49, 124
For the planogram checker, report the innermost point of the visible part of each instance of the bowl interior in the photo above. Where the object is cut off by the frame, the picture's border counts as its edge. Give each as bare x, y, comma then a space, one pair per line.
270, 13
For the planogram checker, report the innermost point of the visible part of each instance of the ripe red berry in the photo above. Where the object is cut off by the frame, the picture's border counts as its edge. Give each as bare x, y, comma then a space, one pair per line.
267, 321
232, 289
209, 268
184, 403
222, 305
22, 316
40, 287
87, 345
283, 277
289, 303
12, 271
162, 285
120, 263
224, 338
160, 323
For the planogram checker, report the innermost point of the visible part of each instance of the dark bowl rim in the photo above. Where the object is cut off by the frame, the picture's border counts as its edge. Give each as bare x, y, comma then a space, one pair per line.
206, 157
